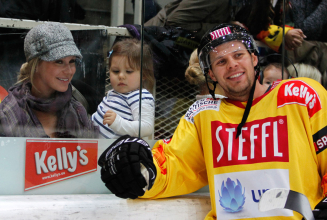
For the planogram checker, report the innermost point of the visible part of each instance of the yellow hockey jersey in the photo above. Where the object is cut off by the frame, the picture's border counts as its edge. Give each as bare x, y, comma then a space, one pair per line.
282, 145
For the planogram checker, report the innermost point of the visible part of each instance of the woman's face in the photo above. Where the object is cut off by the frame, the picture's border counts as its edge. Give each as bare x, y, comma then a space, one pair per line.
51, 76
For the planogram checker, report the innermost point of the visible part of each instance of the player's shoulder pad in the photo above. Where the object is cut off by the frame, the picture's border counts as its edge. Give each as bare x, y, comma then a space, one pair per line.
301, 91
202, 105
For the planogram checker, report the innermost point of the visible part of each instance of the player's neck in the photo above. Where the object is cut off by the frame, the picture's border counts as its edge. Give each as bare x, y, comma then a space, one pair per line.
259, 90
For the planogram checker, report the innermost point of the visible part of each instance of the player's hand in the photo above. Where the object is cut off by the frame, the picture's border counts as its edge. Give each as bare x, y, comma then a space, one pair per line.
294, 39
127, 167
109, 117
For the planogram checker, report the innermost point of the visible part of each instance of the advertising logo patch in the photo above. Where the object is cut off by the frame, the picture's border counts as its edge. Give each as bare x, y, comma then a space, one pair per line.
231, 197
220, 32
51, 161
201, 105
298, 92
237, 194
260, 141
320, 140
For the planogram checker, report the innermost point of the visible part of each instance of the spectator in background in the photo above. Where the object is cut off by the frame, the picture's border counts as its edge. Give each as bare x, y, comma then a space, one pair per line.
193, 15
151, 8
41, 104
305, 70
46, 10
195, 76
271, 73
310, 17
259, 16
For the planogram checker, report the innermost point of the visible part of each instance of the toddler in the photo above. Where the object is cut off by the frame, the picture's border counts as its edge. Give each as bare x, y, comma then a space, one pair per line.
118, 113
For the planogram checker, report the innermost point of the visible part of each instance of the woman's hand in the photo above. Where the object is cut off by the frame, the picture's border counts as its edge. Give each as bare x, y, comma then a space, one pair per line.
294, 39
109, 117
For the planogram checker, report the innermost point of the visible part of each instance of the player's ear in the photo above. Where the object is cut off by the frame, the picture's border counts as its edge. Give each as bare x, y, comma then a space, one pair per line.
212, 76
254, 59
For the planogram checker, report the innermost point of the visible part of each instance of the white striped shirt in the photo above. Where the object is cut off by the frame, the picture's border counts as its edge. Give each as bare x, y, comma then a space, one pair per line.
126, 106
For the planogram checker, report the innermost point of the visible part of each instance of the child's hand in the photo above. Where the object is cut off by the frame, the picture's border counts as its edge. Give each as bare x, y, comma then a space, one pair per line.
109, 117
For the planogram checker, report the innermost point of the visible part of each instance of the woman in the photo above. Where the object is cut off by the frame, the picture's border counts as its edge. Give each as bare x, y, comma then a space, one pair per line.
41, 103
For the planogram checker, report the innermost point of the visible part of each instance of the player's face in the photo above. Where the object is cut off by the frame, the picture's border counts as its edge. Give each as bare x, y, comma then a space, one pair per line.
51, 76
123, 78
232, 66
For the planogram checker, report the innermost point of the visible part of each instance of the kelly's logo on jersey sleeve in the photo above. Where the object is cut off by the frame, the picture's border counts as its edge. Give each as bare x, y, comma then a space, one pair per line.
260, 141
298, 92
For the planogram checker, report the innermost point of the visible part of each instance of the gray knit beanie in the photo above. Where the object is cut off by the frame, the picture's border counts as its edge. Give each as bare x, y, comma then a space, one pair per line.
50, 41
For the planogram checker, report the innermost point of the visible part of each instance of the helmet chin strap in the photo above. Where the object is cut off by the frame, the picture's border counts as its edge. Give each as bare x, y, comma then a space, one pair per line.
248, 104
212, 92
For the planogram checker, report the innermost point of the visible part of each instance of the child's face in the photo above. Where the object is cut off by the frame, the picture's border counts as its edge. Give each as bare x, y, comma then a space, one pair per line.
271, 74
123, 78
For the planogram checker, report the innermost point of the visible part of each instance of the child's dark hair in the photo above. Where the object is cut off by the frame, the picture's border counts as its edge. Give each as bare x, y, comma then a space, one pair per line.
131, 48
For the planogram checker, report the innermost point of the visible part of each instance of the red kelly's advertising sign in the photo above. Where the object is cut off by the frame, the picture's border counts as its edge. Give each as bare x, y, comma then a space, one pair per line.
51, 161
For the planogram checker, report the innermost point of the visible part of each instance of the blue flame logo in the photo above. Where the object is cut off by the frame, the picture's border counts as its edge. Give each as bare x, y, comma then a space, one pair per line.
231, 198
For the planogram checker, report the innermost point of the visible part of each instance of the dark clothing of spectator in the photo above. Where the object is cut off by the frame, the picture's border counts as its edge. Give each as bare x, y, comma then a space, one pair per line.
310, 17
193, 15
151, 8
43, 10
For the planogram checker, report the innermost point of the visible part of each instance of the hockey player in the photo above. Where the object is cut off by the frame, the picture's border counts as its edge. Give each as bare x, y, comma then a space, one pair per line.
280, 142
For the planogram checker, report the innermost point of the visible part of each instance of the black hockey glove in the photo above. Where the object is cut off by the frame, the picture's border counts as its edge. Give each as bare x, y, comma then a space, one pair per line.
127, 168
320, 211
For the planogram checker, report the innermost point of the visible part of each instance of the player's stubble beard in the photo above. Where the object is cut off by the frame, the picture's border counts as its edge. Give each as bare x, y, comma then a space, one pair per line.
239, 93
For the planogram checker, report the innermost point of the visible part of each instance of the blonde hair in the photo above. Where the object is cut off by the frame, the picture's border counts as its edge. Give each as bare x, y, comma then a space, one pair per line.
131, 48
305, 70
195, 76
193, 73
27, 71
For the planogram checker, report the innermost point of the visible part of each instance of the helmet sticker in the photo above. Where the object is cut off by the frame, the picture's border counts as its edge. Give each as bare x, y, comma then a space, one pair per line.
220, 32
